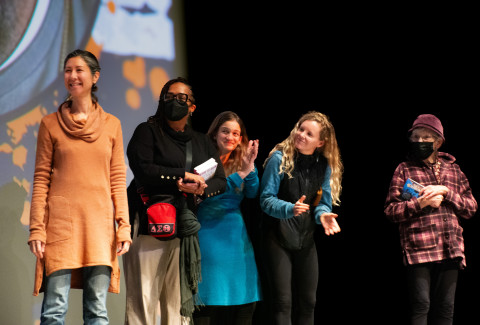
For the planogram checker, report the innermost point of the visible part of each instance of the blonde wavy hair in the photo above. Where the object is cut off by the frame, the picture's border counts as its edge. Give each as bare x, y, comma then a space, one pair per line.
329, 150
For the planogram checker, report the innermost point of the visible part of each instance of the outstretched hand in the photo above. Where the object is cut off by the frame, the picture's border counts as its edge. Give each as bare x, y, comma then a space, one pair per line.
329, 223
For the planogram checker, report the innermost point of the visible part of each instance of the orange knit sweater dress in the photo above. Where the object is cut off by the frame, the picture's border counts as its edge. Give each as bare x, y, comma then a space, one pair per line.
79, 202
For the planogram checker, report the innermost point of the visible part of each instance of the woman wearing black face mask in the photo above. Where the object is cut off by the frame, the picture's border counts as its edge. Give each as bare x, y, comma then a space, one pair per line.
428, 221
157, 153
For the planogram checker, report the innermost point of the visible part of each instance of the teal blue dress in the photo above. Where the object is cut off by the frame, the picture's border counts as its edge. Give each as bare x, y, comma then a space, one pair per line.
229, 272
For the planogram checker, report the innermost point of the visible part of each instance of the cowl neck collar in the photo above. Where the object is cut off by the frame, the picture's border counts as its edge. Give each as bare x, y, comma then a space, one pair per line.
88, 130
179, 136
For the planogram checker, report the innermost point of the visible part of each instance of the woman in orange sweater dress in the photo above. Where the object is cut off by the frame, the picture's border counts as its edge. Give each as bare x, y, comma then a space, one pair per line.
79, 192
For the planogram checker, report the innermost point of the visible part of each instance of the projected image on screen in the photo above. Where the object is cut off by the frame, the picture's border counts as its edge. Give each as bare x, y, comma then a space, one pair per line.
135, 44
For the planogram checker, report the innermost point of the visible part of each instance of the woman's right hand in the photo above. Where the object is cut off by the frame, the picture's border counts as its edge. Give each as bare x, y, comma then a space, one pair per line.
300, 207
37, 248
434, 201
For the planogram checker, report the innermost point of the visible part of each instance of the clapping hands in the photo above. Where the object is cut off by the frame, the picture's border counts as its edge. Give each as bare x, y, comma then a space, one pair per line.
248, 159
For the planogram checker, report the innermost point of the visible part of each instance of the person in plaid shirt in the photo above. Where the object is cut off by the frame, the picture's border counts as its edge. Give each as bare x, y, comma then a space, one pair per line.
430, 232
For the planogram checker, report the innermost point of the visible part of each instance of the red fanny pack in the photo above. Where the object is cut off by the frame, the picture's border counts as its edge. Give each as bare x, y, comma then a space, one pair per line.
162, 220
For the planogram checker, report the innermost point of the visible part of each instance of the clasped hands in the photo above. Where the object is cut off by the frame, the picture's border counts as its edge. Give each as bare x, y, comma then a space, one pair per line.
192, 183
328, 219
432, 195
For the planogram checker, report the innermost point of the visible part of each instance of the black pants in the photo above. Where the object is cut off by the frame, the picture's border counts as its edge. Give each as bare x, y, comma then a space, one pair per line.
224, 315
293, 282
431, 289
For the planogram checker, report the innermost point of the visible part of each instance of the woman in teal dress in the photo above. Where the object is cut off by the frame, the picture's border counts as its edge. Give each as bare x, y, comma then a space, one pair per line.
230, 282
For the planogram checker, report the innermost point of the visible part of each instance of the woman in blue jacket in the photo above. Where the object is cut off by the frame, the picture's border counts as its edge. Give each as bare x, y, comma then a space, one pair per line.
230, 282
301, 181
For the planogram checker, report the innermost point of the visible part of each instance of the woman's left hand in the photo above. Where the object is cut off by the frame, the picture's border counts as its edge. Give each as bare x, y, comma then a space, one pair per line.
123, 247
329, 223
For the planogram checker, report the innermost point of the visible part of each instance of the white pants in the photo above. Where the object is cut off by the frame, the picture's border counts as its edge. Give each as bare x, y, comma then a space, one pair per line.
152, 275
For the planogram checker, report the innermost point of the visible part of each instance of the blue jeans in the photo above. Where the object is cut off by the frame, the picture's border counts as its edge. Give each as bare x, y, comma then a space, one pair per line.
96, 280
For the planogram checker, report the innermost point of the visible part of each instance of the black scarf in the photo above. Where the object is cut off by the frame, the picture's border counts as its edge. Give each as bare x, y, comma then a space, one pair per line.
190, 257
179, 137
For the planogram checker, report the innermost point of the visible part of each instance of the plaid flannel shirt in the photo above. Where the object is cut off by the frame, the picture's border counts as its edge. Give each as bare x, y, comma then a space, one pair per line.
431, 234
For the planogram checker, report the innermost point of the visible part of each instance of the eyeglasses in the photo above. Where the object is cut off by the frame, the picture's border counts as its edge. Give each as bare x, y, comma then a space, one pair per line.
180, 97
425, 138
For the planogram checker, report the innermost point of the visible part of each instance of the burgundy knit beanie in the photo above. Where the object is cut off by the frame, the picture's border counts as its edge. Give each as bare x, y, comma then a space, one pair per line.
428, 121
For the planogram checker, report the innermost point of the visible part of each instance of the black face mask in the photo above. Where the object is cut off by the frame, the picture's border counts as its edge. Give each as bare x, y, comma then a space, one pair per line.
175, 111
421, 150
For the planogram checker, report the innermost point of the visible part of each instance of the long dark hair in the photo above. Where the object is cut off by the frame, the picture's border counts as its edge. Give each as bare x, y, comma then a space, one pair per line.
92, 63
234, 162
159, 117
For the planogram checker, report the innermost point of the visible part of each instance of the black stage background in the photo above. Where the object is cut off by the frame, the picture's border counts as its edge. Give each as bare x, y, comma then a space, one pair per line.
372, 70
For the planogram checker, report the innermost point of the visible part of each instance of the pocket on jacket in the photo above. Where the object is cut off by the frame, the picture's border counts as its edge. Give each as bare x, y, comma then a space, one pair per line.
423, 237
59, 225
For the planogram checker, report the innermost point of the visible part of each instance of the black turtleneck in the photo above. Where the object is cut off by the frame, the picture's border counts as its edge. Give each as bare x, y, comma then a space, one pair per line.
308, 175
